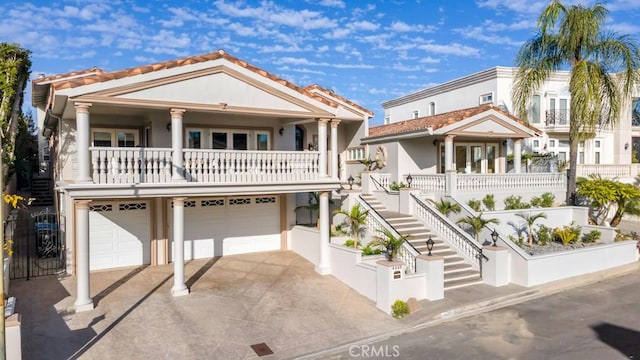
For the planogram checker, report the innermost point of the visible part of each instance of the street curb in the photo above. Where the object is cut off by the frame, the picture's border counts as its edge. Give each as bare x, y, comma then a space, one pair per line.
483, 306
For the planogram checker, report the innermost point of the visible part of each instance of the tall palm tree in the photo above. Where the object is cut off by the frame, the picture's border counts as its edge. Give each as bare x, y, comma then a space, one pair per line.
602, 70
531, 219
476, 223
356, 219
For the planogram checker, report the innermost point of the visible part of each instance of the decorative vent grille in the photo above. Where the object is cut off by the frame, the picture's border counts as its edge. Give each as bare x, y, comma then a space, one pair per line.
132, 206
240, 201
214, 202
266, 200
190, 203
104, 207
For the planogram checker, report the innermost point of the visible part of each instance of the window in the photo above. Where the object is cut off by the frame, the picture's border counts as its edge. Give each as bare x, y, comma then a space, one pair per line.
262, 141
432, 108
387, 119
581, 157
228, 139
535, 109
597, 143
536, 143
635, 112
552, 143
562, 156
194, 139
486, 98
219, 140
416, 114
240, 141
597, 160
114, 137
355, 154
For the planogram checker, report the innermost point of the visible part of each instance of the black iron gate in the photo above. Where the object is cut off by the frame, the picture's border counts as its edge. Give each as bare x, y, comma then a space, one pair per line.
38, 247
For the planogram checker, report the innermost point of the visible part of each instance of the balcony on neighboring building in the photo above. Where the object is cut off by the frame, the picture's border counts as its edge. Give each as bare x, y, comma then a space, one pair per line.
557, 121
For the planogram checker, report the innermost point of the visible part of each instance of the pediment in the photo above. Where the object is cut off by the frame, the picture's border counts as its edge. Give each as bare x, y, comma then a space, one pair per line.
489, 125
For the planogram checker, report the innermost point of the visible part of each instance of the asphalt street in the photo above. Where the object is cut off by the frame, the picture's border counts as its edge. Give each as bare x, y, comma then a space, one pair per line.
598, 321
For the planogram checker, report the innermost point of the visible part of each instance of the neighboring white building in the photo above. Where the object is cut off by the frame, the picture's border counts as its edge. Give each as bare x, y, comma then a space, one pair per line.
549, 112
192, 158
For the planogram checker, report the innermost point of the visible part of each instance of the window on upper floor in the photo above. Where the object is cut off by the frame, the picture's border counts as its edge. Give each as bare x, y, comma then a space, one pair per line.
387, 120
432, 108
597, 160
228, 139
597, 143
486, 98
635, 112
355, 154
115, 137
416, 114
536, 143
552, 143
535, 110
558, 113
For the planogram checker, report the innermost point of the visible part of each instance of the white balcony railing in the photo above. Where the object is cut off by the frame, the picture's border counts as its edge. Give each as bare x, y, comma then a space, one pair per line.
465, 183
154, 165
609, 171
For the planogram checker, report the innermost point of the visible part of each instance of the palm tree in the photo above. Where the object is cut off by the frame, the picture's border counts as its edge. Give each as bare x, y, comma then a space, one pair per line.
386, 238
356, 219
531, 219
602, 70
477, 222
446, 207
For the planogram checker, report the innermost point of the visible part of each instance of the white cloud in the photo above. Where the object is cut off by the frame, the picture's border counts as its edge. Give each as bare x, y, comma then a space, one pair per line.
451, 49
270, 12
519, 6
477, 33
332, 3
401, 26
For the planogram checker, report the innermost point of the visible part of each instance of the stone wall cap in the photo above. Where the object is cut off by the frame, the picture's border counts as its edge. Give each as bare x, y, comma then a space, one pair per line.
388, 263
430, 258
13, 320
494, 248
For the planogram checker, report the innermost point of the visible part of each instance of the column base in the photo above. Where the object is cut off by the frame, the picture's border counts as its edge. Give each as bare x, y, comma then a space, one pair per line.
180, 292
84, 305
323, 270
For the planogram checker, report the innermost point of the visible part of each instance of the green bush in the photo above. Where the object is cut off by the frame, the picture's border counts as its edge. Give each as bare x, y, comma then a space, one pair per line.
367, 250
545, 200
399, 309
591, 236
349, 243
395, 186
476, 205
489, 202
567, 234
514, 202
545, 235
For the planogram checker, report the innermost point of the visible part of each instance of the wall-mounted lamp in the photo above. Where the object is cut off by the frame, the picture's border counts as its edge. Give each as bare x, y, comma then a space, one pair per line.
169, 127
430, 244
504, 142
435, 142
626, 146
350, 180
281, 131
494, 237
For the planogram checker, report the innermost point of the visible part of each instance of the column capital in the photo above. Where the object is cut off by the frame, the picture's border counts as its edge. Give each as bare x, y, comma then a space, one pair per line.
82, 107
335, 123
175, 111
323, 122
179, 200
449, 137
82, 204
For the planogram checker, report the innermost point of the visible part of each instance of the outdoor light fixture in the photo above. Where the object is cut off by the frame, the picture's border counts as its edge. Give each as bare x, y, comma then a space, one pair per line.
350, 180
626, 146
390, 249
169, 127
281, 131
430, 243
409, 180
494, 237
435, 142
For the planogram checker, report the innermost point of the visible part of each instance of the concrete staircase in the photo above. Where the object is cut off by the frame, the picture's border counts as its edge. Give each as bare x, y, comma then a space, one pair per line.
457, 272
42, 191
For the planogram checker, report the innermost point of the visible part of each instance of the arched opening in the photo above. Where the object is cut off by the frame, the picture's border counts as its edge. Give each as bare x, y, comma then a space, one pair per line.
299, 138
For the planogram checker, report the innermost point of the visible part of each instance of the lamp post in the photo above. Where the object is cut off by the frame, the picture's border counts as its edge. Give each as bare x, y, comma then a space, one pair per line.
390, 249
409, 180
350, 180
494, 237
430, 243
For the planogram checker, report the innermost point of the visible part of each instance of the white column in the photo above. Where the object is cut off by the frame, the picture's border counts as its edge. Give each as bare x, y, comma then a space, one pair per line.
322, 146
176, 144
179, 287
517, 154
82, 142
448, 153
334, 148
324, 266
83, 300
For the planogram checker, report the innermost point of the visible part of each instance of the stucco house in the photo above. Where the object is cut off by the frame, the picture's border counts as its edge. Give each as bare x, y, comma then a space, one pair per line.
191, 158
609, 153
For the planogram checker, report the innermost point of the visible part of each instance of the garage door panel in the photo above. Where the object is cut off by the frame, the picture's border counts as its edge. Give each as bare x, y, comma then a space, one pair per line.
119, 234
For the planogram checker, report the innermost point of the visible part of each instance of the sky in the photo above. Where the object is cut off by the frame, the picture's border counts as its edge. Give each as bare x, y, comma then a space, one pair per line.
367, 51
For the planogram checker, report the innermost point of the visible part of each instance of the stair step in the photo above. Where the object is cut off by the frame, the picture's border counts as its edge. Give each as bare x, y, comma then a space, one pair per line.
450, 268
462, 283
452, 276
453, 260
445, 253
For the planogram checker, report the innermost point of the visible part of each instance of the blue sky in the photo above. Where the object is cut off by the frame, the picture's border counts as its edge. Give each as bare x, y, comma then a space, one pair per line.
366, 51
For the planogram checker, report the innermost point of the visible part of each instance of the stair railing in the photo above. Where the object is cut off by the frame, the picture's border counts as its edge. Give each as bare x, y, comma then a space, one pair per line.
446, 229
378, 184
376, 223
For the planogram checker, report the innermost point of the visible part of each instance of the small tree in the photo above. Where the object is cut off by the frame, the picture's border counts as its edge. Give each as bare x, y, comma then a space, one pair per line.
446, 207
476, 205
603, 195
531, 219
386, 238
355, 220
476, 223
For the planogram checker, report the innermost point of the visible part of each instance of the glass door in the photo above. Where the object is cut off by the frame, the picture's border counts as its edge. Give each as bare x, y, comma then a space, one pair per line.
491, 158
461, 158
476, 159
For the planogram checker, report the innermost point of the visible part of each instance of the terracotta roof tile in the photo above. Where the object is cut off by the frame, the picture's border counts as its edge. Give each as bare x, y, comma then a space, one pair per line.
439, 121
95, 75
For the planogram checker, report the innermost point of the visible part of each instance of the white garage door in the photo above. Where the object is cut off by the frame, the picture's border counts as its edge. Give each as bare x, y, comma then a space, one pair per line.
119, 234
230, 225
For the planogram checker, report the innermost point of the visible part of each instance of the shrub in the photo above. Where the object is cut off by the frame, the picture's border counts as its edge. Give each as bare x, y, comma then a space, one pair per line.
514, 202
475, 204
349, 243
489, 202
567, 234
367, 250
545, 200
519, 240
394, 186
591, 236
545, 235
399, 309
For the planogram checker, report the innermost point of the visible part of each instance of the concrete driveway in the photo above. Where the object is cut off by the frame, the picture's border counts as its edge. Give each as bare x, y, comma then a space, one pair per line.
237, 301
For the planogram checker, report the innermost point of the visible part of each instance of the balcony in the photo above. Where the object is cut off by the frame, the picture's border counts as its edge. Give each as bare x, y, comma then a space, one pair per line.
557, 120
155, 166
